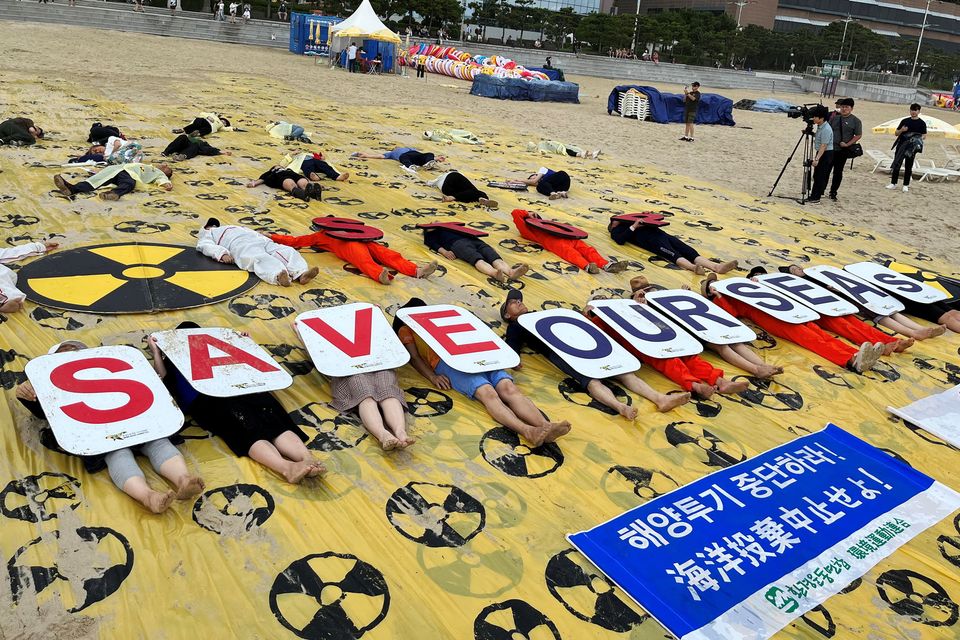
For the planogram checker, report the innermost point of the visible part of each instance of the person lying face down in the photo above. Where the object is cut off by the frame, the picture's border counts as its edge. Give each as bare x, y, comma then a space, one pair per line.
254, 425
126, 474
691, 373
205, 124
185, 147
518, 337
807, 335
11, 298
553, 184
576, 252
19, 132
313, 165
296, 184
671, 248
494, 389
472, 250
124, 178
457, 187
253, 252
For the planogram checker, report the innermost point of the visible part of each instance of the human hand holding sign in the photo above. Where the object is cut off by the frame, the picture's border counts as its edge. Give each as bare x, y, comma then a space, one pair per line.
25, 391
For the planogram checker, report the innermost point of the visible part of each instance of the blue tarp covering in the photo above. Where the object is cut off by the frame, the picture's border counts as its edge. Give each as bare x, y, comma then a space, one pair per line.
516, 89
771, 105
668, 107
553, 74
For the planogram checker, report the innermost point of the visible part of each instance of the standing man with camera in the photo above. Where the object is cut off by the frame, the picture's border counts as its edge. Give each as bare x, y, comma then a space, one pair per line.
691, 102
822, 160
847, 131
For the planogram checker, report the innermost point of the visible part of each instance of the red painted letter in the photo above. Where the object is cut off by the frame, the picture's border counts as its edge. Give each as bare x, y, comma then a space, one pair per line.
139, 396
442, 333
202, 363
360, 345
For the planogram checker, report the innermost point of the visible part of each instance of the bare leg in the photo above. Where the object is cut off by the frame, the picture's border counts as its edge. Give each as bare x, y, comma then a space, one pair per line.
289, 185
269, 456
951, 320
665, 402
373, 422
743, 357
487, 269
521, 406
503, 414
703, 390
907, 327
175, 470
713, 265
293, 448
155, 501
683, 263
602, 394
513, 272
392, 411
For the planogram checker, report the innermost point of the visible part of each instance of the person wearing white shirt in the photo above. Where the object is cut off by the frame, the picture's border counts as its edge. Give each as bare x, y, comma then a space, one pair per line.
352, 57
11, 298
273, 263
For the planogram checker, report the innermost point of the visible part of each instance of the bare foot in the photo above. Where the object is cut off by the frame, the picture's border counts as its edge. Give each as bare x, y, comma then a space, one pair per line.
308, 275
389, 443
501, 277
671, 401
890, 347
627, 411
298, 471
934, 332
725, 267
703, 390
556, 195
490, 204
343, 177
518, 270
283, 279
158, 502
426, 270
765, 371
729, 386
592, 268
555, 430
902, 345
384, 277
189, 486
699, 270
317, 469
407, 441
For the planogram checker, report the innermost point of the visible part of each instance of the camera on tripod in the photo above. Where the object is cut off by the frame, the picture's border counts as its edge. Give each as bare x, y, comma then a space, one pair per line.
805, 112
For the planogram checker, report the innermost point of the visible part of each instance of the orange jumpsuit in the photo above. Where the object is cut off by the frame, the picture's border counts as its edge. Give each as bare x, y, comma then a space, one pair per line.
369, 257
808, 334
684, 371
576, 252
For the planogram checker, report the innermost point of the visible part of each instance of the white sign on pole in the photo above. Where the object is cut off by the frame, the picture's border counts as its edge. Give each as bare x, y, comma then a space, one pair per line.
939, 414
350, 339
766, 299
857, 289
898, 283
220, 362
647, 330
580, 343
103, 399
699, 316
459, 338
807, 292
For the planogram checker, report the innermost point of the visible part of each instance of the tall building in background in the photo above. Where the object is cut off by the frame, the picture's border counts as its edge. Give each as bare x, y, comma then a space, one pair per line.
891, 18
583, 7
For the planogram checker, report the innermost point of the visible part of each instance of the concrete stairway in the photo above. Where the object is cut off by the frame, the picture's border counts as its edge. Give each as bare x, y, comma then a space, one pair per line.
155, 21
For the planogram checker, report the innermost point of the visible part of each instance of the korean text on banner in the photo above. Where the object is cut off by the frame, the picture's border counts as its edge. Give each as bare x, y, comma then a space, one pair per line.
745, 550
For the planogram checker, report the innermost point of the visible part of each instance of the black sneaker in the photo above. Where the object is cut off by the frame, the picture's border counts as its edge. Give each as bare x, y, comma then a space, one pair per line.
817, 201
833, 197
300, 193
315, 191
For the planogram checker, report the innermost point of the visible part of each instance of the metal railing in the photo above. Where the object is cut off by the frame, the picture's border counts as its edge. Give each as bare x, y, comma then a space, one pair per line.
870, 77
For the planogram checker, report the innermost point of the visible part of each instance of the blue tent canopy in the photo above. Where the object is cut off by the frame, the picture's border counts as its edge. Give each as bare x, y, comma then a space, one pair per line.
668, 107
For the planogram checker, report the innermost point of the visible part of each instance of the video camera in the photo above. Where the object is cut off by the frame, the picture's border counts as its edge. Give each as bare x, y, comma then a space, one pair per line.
802, 111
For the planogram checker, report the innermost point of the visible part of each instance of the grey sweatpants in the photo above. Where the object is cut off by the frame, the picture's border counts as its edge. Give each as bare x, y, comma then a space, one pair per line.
122, 464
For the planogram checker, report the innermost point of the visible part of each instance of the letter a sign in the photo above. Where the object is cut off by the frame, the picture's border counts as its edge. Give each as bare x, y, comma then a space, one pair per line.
103, 399
221, 362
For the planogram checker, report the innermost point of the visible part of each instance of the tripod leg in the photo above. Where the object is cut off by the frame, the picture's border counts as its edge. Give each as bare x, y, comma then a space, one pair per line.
786, 164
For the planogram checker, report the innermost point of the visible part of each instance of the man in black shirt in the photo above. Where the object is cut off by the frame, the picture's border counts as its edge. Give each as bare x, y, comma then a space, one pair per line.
691, 102
910, 134
452, 245
847, 131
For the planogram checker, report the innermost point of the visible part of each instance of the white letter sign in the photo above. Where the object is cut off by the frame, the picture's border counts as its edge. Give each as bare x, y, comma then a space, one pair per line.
824, 302
768, 300
896, 282
460, 338
701, 317
860, 291
649, 332
349, 339
221, 362
580, 343
103, 399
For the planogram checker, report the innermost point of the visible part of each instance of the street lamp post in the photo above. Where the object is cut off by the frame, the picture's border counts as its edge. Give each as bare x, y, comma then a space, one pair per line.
636, 27
920, 41
846, 21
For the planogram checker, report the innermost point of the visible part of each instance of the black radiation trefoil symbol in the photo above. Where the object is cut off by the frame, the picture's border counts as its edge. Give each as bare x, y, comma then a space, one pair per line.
427, 403
35, 498
502, 449
679, 434
130, 278
587, 594
247, 503
921, 599
339, 587
435, 515
513, 620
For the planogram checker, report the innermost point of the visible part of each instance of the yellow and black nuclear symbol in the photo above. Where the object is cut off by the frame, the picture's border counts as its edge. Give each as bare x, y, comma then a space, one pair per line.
131, 278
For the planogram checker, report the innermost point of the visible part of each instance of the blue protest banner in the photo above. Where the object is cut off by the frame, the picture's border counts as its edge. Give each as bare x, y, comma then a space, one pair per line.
743, 551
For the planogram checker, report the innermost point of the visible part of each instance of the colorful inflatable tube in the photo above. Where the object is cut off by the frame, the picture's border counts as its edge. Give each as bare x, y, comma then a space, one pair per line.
449, 61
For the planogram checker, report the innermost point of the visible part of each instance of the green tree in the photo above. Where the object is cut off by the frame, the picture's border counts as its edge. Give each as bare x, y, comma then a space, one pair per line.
560, 23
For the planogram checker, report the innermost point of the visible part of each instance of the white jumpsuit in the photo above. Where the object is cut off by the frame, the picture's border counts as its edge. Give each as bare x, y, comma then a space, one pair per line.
251, 252
8, 278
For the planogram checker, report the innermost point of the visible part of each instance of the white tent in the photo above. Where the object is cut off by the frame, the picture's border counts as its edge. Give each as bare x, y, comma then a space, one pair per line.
364, 24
